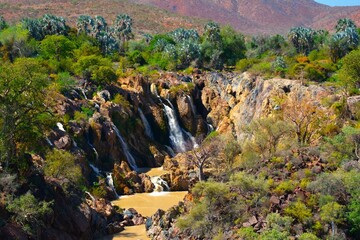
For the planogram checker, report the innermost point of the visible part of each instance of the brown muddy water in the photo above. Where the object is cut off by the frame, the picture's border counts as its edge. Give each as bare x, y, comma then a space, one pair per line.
146, 204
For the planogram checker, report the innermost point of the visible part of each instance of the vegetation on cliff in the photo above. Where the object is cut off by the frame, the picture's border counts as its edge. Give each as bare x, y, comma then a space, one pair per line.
294, 173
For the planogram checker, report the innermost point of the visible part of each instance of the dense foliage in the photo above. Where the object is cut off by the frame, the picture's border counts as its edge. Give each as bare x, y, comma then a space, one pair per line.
276, 181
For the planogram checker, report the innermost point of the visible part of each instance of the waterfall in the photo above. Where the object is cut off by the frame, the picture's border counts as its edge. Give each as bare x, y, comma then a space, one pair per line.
176, 134
192, 139
210, 128
170, 151
160, 184
193, 109
83, 92
49, 142
125, 148
153, 90
148, 131
60, 126
74, 144
94, 149
110, 182
91, 197
95, 169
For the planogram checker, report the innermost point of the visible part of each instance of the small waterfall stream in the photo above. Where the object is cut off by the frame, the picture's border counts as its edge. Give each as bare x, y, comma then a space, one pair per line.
96, 170
125, 148
193, 109
176, 134
148, 131
49, 142
160, 184
60, 126
110, 182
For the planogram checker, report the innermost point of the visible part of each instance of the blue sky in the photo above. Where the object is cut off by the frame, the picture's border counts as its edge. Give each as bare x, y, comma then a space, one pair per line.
340, 2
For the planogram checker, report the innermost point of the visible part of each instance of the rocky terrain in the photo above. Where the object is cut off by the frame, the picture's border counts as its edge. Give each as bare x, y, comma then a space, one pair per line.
150, 17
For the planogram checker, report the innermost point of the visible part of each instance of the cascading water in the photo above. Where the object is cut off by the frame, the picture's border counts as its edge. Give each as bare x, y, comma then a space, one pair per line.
210, 128
192, 139
160, 184
49, 142
110, 182
148, 131
83, 93
91, 197
125, 148
60, 126
193, 109
176, 134
170, 151
96, 170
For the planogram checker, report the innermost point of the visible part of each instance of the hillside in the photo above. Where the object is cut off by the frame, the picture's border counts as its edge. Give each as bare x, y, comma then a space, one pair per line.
146, 18
259, 16
165, 15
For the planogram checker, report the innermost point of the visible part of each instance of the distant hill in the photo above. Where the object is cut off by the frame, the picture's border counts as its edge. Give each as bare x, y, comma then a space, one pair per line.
154, 16
260, 16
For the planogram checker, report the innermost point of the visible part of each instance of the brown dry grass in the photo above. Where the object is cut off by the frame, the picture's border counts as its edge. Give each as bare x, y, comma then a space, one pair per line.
147, 19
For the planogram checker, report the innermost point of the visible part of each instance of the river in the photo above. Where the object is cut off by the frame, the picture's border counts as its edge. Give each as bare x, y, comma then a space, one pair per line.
146, 204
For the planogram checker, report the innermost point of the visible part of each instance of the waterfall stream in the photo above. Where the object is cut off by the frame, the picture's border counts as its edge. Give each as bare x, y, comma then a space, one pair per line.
110, 182
125, 148
49, 142
60, 126
176, 134
160, 184
148, 131
193, 109
96, 170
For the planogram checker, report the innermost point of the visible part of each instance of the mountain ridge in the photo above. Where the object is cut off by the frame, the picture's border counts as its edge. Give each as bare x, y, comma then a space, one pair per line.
158, 16
249, 17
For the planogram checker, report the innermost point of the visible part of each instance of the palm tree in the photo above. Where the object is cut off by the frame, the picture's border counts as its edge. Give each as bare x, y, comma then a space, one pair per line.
343, 24
123, 29
85, 24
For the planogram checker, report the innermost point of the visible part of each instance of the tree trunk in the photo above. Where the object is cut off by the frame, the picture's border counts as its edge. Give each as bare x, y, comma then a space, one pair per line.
201, 173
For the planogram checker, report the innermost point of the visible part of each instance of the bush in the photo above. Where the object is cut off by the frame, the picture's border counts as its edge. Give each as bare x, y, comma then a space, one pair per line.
29, 212
247, 233
284, 187
299, 211
119, 99
60, 163
308, 236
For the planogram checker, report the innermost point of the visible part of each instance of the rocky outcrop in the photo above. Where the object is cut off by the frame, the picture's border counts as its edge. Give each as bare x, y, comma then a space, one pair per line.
161, 226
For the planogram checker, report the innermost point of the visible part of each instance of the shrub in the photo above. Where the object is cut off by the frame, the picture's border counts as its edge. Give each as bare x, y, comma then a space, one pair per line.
119, 99
284, 187
308, 236
60, 163
299, 211
247, 233
29, 212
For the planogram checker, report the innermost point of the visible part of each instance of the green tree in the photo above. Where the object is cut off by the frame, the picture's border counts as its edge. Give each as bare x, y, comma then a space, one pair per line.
332, 213
303, 39
3, 23
13, 43
85, 24
23, 107
266, 135
30, 213
344, 23
86, 65
56, 46
350, 72
47, 25
123, 29
62, 164
104, 74
233, 46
